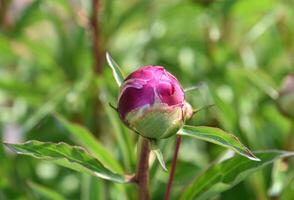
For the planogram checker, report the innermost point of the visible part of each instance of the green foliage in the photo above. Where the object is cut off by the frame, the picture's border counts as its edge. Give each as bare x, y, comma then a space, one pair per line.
86, 139
73, 157
46, 192
224, 175
217, 136
116, 71
238, 52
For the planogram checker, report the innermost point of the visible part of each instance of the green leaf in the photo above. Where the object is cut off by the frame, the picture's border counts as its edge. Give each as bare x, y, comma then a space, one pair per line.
45, 192
261, 80
18, 89
156, 150
92, 188
288, 192
217, 136
121, 132
86, 139
226, 112
223, 176
116, 71
46, 108
72, 157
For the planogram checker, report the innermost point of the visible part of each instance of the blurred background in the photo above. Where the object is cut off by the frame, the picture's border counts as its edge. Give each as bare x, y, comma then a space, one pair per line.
52, 61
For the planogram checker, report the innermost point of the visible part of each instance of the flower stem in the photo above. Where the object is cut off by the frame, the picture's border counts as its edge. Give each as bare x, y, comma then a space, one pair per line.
142, 176
173, 168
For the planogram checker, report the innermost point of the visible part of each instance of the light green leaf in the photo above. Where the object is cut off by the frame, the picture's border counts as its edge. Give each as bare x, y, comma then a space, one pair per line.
223, 176
122, 135
46, 192
46, 108
288, 191
86, 139
226, 112
92, 188
217, 136
261, 80
72, 157
116, 71
18, 89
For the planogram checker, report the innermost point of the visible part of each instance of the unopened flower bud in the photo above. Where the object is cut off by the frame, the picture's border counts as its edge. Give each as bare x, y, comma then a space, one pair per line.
286, 96
152, 103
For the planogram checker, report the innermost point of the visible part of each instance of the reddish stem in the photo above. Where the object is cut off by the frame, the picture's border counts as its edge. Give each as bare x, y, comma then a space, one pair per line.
142, 176
173, 168
97, 58
97, 50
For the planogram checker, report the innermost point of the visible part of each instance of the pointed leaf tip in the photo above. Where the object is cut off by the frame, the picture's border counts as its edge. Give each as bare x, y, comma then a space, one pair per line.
219, 137
159, 156
116, 70
155, 149
251, 156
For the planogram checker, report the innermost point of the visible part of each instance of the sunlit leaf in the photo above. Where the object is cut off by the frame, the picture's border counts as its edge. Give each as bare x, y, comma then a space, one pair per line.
218, 136
116, 71
72, 157
222, 176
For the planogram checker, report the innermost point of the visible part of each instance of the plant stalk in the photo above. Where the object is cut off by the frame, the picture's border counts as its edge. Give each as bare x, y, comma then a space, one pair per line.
97, 45
142, 176
173, 168
97, 51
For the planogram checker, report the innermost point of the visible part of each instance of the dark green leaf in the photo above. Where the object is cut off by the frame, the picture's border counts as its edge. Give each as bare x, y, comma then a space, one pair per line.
222, 176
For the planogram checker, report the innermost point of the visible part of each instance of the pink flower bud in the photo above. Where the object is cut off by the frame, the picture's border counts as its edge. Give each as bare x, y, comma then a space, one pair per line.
152, 102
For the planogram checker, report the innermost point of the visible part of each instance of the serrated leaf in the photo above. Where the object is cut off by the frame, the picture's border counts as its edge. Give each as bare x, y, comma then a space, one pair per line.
86, 139
156, 150
72, 157
116, 71
217, 136
223, 176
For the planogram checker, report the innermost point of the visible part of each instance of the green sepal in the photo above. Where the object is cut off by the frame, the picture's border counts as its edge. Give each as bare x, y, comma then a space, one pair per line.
156, 150
156, 122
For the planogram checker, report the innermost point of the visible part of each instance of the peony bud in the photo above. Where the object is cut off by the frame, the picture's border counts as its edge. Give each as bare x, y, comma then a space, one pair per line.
152, 103
286, 96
